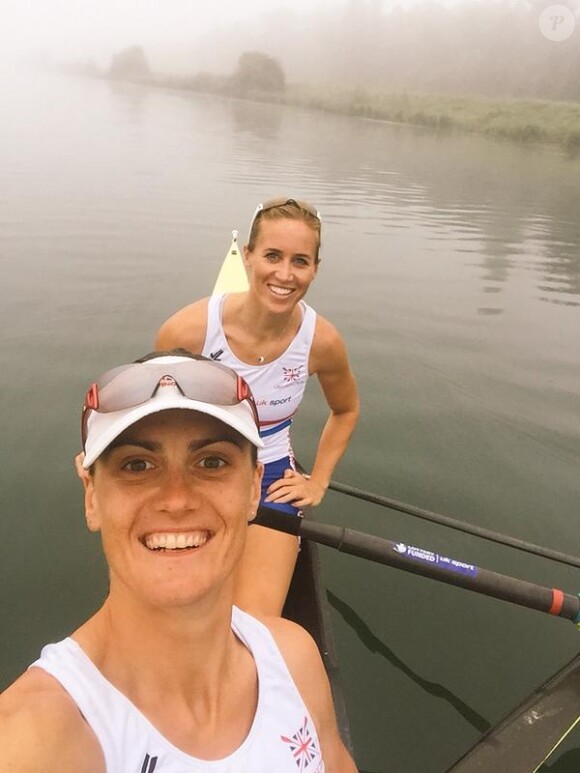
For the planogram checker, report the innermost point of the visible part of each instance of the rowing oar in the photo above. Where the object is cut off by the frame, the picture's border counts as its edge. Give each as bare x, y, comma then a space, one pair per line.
468, 528
427, 564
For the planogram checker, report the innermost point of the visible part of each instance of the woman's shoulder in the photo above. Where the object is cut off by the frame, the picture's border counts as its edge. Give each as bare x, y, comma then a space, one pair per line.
41, 723
295, 643
186, 328
325, 333
328, 350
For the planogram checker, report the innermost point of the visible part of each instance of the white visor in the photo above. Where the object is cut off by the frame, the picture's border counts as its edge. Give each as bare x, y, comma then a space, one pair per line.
103, 428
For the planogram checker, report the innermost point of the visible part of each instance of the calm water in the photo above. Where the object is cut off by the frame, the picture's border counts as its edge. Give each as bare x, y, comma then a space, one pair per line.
452, 267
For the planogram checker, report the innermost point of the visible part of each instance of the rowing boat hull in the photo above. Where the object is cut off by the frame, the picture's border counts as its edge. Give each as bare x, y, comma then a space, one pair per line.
307, 605
524, 740
232, 277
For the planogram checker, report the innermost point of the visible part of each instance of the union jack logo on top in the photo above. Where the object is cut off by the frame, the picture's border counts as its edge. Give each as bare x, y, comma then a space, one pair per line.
292, 374
303, 747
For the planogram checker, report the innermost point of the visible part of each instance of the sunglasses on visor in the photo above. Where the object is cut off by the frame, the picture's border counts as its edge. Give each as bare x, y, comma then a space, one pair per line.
281, 201
197, 378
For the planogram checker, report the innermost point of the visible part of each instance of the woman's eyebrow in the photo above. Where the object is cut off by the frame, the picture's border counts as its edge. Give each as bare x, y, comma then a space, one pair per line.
195, 445
235, 439
149, 445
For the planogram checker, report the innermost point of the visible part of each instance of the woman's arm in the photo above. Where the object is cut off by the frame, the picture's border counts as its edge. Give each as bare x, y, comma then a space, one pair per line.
185, 329
305, 664
42, 729
329, 361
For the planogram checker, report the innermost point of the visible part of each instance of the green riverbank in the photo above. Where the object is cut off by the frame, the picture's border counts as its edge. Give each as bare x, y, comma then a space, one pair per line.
519, 120
536, 121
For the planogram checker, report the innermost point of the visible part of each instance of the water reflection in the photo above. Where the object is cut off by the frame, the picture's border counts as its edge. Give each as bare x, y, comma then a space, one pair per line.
257, 119
374, 644
568, 763
131, 99
489, 202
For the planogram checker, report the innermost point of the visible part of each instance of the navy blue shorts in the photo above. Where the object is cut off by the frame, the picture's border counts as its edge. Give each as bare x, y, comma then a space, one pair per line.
274, 471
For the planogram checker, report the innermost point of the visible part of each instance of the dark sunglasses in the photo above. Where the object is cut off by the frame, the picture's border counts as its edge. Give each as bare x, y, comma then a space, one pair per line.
196, 378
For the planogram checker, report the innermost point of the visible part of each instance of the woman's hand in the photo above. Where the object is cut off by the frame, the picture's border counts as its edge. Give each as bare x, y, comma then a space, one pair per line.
300, 490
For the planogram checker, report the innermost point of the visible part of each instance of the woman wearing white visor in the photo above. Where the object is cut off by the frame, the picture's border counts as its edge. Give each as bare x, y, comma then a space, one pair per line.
165, 675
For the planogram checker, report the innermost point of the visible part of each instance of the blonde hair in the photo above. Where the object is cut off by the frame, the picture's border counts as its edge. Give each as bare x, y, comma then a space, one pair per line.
289, 209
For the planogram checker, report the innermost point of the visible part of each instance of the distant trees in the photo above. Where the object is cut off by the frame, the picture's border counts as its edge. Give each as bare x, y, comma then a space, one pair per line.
493, 48
257, 72
130, 65
486, 47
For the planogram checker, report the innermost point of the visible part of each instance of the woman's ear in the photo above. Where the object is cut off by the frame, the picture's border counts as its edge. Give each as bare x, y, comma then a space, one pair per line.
256, 489
91, 510
83, 474
246, 253
79, 459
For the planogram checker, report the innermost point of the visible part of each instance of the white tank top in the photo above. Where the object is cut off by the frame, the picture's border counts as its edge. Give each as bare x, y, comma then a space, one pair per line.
278, 386
282, 737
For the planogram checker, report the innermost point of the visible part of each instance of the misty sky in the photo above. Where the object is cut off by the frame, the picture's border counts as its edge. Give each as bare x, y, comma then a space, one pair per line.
80, 29
487, 47
94, 26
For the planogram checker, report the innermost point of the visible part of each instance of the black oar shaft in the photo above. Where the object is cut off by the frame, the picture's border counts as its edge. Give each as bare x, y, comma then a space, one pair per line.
453, 523
427, 564
441, 568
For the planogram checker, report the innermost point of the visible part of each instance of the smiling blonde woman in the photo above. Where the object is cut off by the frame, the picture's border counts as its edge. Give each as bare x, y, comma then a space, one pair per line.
275, 341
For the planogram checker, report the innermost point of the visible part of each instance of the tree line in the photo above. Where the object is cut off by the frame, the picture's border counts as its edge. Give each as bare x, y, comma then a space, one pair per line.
486, 47
490, 48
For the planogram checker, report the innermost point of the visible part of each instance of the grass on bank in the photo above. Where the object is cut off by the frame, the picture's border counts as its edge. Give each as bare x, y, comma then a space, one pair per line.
530, 120
519, 120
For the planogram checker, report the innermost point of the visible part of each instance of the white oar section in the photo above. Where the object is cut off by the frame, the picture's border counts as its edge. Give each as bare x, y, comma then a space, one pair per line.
232, 277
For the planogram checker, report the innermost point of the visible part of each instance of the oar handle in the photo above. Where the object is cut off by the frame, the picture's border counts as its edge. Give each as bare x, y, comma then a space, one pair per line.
453, 523
426, 563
